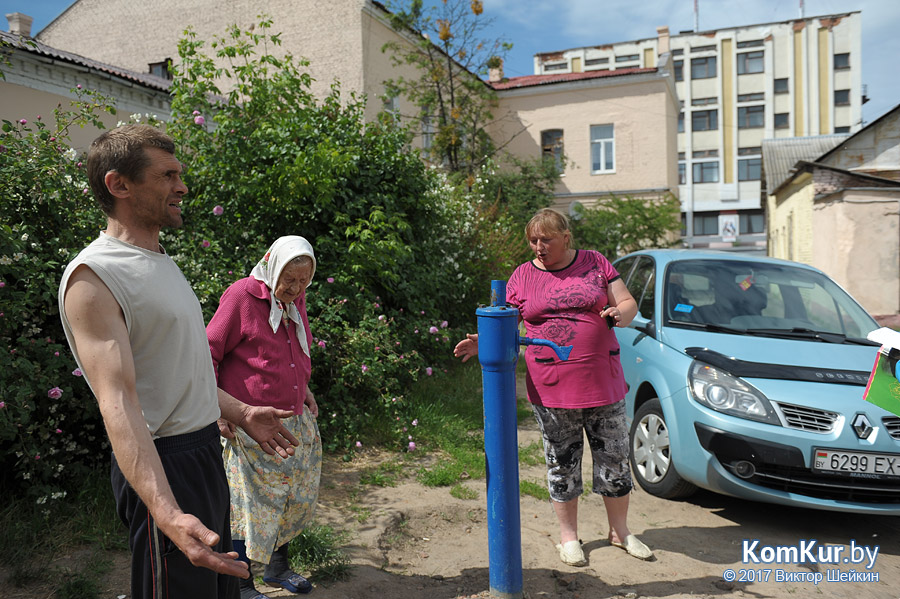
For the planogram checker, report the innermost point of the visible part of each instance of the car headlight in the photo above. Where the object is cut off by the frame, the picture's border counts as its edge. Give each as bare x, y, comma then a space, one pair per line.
728, 394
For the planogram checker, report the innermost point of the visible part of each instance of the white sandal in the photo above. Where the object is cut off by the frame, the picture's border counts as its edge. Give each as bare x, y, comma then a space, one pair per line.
572, 554
634, 547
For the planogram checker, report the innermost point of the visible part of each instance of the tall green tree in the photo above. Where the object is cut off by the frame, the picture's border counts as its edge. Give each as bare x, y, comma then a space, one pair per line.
617, 226
446, 45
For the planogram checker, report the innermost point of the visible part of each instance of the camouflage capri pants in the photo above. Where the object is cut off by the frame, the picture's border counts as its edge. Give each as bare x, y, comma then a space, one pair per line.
607, 435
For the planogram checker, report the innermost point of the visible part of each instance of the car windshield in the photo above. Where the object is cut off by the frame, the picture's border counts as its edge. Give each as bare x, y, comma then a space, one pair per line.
760, 297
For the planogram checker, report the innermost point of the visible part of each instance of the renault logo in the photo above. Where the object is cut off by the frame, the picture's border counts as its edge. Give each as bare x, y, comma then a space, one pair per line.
862, 426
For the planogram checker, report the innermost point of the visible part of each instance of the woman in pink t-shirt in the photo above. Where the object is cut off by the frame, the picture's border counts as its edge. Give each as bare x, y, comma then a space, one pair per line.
574, 297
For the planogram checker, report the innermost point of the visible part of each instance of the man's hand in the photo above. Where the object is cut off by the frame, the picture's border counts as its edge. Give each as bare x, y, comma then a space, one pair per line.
226, 428
196, 542
263, 424
467, 348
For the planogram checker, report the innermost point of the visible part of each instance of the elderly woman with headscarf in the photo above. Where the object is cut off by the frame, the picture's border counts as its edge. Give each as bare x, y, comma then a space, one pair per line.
260, 339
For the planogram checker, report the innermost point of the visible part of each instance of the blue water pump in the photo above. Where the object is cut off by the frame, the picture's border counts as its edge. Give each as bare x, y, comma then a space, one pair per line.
498, 352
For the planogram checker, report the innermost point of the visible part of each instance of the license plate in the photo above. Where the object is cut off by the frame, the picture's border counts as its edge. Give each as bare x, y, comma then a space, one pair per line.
851, 462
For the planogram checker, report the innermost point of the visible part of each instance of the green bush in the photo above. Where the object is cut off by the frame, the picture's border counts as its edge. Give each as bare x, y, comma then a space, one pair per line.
50, 431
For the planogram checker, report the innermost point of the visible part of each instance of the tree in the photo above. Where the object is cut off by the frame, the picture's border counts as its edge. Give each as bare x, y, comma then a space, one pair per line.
450, 56
618, 226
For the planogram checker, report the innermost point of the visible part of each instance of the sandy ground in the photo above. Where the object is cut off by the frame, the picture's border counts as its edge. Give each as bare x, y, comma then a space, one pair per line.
414, 542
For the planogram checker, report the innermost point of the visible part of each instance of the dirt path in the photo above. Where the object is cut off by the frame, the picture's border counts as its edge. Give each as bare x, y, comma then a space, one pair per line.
413, 542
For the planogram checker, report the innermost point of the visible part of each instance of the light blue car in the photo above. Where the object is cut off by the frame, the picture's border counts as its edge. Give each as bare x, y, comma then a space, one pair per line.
746, 377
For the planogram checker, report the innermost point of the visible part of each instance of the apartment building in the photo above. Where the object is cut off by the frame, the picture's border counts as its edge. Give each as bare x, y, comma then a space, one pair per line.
736, 87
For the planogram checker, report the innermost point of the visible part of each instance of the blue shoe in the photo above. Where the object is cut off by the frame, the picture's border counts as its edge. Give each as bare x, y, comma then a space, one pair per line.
293, 583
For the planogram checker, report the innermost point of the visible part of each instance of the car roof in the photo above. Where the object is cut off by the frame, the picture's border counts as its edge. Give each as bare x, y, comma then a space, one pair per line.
665, 256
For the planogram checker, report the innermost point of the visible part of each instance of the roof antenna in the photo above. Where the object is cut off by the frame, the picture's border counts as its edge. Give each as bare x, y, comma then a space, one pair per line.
697, 15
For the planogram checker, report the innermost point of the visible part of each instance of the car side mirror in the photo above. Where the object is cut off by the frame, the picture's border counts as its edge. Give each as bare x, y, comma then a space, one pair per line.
644, 326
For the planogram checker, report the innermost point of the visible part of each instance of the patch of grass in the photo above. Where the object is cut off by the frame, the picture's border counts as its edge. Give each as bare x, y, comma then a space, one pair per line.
317, 550
461, 492
79, 586
385, 475
536, 490
362, 513
532, 454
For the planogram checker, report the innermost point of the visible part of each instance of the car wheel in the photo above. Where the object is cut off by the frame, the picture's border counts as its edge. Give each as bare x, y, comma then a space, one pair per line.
651, 457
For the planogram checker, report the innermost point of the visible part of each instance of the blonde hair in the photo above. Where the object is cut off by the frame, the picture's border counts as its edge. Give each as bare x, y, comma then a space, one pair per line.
549, 222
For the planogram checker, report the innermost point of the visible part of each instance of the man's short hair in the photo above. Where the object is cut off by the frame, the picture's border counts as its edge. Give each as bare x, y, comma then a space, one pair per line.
122, 150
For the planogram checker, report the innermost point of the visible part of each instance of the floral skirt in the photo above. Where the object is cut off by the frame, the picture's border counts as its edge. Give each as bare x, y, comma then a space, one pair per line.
273, 499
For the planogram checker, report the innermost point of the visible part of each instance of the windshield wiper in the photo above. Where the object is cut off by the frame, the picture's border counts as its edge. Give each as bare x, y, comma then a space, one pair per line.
803, 333
708, 326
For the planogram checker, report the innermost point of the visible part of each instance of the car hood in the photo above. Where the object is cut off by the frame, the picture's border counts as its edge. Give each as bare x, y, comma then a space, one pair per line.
768, 350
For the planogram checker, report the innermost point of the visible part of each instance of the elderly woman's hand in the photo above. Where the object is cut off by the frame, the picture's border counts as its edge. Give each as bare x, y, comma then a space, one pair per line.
263, 424
467, 348
310, 403
226, 428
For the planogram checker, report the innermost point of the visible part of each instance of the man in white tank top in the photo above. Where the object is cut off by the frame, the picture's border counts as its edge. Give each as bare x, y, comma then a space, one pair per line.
137, 332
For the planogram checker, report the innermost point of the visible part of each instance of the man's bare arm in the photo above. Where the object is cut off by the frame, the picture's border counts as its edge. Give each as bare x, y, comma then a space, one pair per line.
99, 333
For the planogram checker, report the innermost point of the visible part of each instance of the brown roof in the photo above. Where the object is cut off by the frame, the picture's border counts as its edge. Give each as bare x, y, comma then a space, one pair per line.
35, 47
534, 80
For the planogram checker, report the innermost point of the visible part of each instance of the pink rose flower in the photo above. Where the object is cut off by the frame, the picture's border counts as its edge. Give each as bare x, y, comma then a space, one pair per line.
205, 244
433, 330
23, 121
429, 371
412, 446
54, 393
330, 279
381, 317
218, 210
199, 120
445, 324
415, 422
77, 372
58, 431
2, 404
321, 344
365, 368
358, 444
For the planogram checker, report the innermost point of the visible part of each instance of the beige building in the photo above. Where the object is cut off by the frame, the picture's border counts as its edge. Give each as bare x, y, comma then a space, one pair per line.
38, 78
341, 39
840, 212
612, 133
738, 86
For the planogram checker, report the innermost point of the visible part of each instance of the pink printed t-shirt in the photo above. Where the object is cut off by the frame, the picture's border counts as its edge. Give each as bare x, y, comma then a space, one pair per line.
564, 306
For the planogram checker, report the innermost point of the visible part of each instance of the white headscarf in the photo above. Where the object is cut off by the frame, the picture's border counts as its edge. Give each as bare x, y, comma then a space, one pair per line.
268, 270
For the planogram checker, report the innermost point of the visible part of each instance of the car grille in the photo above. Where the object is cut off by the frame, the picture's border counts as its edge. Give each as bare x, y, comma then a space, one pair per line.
892, 426
840, 488
809, 419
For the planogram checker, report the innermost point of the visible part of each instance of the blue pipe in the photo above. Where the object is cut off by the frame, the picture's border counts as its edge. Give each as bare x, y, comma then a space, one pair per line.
498, 352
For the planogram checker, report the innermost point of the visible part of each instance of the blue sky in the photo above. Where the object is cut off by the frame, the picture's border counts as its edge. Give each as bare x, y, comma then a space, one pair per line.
535, 26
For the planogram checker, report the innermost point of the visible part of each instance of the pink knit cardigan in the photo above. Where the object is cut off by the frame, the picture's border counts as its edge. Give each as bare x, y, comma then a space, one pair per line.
255, 365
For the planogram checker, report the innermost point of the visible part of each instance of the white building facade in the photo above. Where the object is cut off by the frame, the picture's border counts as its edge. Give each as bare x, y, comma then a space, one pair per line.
736, 87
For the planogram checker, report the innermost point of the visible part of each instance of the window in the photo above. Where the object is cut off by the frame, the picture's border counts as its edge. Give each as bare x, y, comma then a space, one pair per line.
703, 68
841, 97
641, 286
602, 149
390, 106
705, 120
706, 172
556, 66
679, 70
595, 61
750, 62
705, 154
751, 151
428, 131
750, 169
552, 147
751, 221
680, 155
681, 122
757, 97
161, 69
704, 101
782, 120
627, 58
710, 48
841, 61
678, 52
682, 173
751, 117
706, 224
781, 86
750, 44
842, 129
